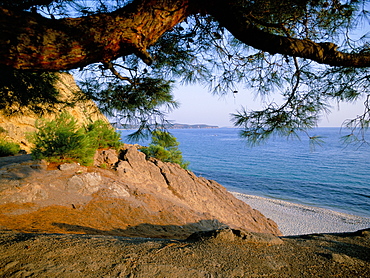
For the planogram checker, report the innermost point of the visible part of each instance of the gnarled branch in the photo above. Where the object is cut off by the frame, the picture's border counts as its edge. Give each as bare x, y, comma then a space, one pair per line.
233, 18
29, 41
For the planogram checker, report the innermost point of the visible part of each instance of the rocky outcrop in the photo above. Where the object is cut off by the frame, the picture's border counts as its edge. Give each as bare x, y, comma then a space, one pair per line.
229, 235
17, 126
121, 194
128, 196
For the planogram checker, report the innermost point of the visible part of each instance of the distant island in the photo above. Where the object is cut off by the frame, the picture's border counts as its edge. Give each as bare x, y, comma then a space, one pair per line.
170, 126
174, 126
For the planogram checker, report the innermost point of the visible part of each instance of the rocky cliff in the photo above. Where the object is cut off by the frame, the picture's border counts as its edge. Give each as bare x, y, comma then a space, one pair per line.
131, 197
16, 126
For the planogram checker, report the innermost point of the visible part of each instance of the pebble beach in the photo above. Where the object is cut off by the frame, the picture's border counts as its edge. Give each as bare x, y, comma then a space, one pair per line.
296, 219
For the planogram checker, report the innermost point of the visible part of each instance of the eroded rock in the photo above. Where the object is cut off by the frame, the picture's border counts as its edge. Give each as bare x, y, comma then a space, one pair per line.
145, 198
226, 234
69, 166
106, 158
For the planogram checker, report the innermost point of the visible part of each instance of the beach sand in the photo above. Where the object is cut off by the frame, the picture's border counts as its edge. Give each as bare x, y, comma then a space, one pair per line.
296, 219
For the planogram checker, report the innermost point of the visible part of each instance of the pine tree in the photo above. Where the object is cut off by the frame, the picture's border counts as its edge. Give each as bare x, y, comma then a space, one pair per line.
312, 52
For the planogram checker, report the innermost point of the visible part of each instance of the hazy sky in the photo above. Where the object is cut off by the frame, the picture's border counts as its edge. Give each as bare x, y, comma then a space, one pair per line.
198, 106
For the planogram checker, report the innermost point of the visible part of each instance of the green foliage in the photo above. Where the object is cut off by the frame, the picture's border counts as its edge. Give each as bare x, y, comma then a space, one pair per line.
139, 101
23, 90
358, 127
315, 141
164, 147
62, 140
8, 148
201, 50
103, 135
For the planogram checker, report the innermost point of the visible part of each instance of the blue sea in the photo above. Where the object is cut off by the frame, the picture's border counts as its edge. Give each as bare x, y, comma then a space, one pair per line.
332, 176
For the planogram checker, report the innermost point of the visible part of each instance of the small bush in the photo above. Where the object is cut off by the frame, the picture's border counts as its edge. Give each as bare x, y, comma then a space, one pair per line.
8, 148
103, 135
164, 147
61, 140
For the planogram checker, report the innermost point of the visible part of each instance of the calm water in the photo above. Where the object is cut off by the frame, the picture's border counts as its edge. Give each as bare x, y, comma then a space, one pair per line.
331, 176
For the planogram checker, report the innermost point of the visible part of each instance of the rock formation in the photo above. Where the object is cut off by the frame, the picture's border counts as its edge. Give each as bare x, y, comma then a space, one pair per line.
16, 126
121, 194
127, 195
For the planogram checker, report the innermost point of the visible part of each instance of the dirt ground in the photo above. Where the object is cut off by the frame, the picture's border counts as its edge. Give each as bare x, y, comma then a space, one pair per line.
14, 159
221, 253
225, 253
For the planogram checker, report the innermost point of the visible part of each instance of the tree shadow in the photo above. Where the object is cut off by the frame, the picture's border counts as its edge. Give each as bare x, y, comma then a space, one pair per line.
7, 160
18, 167
147, 230
18, 237
348, 244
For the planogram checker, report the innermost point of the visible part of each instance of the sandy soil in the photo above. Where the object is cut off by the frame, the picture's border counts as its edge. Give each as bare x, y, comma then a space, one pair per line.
223, 254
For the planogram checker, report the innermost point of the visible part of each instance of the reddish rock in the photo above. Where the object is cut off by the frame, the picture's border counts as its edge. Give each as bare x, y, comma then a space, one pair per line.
106, 158
144, 198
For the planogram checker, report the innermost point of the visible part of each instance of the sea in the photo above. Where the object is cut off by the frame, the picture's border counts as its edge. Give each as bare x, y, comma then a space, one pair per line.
331, 175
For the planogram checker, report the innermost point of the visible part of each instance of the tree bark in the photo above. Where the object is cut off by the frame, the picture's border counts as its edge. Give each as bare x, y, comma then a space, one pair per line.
234, 19
29, 41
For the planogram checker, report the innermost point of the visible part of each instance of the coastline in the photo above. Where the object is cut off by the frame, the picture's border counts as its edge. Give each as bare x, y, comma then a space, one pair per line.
296, 219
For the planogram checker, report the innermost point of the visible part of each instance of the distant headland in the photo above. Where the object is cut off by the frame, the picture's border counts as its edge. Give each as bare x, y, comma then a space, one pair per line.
171, 126
176, 125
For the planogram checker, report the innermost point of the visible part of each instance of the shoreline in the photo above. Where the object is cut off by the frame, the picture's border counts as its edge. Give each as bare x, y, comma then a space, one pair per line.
296, 219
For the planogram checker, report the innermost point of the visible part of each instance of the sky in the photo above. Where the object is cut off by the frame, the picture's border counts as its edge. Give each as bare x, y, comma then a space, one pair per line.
199, 106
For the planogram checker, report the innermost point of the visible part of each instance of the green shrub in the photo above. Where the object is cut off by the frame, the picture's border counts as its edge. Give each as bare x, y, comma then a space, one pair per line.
8, 148
61, 140
164, 147
103, 135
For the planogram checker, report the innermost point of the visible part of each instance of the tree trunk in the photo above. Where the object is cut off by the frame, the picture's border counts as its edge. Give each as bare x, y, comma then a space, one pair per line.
29, 41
